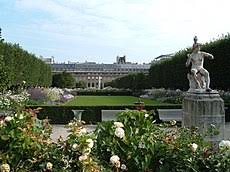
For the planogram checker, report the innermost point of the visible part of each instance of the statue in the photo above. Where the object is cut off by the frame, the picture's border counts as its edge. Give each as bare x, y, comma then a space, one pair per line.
199, 77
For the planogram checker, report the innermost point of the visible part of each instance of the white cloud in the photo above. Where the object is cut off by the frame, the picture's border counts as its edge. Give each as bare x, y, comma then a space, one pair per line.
153, 26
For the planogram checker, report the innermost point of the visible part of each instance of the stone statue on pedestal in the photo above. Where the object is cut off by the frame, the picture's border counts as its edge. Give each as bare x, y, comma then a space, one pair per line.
202, 107
199, 77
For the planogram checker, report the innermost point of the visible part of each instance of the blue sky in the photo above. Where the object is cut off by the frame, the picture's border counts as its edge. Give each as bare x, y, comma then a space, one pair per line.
99, 30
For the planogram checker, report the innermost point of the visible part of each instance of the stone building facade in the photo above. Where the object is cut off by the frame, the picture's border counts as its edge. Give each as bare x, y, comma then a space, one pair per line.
96, 75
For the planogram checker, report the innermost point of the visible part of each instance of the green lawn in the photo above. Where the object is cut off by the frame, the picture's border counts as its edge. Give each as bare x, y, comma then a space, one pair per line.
107, 100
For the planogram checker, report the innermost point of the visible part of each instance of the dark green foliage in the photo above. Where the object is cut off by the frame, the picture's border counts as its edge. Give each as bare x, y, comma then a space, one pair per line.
92, 114
63, 80
19, 65
172, 73
3, 75
57, 115
134, 81
81, 84
109, 92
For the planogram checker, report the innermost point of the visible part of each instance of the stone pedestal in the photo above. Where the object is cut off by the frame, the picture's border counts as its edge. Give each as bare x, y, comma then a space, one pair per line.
205, 110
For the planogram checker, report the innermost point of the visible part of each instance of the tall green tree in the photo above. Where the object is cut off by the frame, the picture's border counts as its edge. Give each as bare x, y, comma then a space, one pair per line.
81, 84
19, 65
4, 80
63, 80
134, 81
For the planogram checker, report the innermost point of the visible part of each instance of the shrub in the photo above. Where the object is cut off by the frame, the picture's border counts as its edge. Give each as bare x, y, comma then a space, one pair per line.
11, 102
25, 145
48, 95
166, 95
19, 65
104, 92
56, 115
24, 142
63, 80
137, 144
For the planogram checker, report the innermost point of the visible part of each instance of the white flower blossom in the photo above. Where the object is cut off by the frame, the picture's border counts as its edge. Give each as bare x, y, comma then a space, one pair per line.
194, 147
119, 132
118, 124
70, 124
115, 160
146, 115
21, 116
123, 167
173, 122
154, 121
83, 157
49, 166
90, 143
5, 168
224, 144
75, 146
83, 131
141, 145
8, 118
1, 123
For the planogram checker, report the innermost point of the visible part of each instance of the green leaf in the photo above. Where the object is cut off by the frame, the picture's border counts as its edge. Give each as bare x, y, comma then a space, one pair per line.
5, 137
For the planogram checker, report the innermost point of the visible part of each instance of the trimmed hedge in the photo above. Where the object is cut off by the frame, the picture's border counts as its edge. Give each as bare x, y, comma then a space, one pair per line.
133, 81
19, 65
56, 114
92, 114
96, 92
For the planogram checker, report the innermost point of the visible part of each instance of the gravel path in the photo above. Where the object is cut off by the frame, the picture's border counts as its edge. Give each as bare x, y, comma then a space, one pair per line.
59, 130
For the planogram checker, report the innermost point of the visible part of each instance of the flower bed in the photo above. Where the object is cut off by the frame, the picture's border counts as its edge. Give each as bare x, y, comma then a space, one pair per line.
133, 143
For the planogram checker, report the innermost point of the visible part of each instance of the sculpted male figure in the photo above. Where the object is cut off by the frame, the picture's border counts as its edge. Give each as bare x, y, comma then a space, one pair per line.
197, 69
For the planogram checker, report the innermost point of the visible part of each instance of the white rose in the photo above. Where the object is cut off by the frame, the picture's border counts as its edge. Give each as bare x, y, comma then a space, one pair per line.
49, 166
115, 160
194, 147
5, 168
224, 144
83, 157
70, 124
146, 115
173, 122
1, 123
141, 145
123, 167
21, 116
75, 146
90, 143
8, 118
83, 131
118, 124
119, 132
